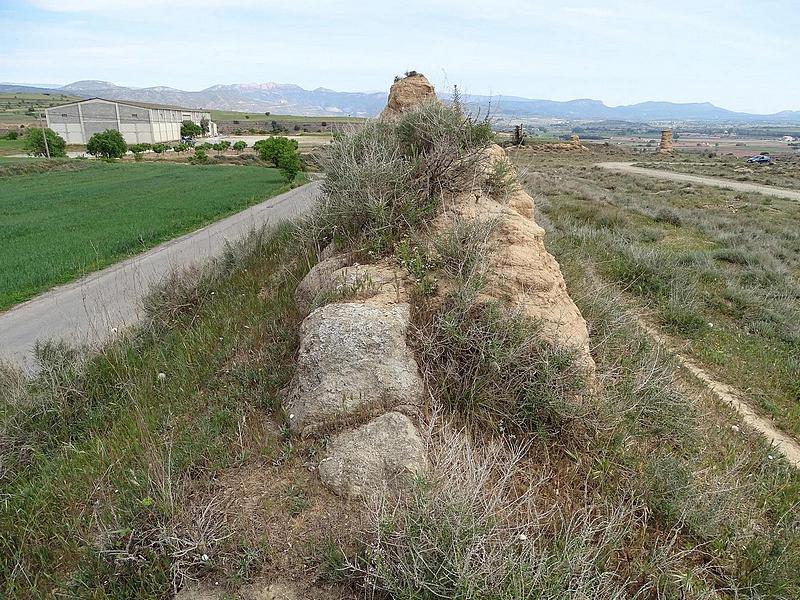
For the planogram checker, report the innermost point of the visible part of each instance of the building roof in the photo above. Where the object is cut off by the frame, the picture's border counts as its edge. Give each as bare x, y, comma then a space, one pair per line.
133, 103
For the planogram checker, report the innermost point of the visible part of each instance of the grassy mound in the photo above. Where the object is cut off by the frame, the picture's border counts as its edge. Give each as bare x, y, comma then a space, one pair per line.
111, 465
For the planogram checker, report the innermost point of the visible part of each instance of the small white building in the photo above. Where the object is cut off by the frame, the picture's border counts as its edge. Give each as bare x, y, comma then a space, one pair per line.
138, 122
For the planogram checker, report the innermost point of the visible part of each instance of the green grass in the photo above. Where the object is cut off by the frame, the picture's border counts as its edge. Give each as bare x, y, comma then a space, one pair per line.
716, 269
166, 456
59, 225
106, 469
11, 146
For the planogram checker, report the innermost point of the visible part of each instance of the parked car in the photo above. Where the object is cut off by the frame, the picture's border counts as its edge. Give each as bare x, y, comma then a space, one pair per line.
188, 140
759, 160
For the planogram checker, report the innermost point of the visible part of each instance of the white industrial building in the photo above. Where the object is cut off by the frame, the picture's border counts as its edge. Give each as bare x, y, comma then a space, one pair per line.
138, 122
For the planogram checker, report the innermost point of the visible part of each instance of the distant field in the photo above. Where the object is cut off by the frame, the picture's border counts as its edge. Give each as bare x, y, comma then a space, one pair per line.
60, 224
26, 108
718, 270
229, 115
784, 173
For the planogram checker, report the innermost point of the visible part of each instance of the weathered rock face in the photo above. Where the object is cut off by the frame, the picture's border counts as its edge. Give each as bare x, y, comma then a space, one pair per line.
310, 289
521, 270
330, 280
407, 93
353, 358
379, 457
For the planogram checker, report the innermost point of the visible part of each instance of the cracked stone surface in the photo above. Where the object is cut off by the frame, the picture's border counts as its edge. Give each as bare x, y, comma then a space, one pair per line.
353, 357
383, 455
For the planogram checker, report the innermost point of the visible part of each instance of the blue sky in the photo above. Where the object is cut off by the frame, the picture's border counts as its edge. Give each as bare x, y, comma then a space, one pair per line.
738, 54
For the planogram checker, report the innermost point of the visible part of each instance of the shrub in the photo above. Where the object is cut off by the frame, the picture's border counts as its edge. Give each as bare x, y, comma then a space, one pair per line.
470, 531
200, 155
385, 178
35, 143
180, 147
12, 135
240, 145
137, 156
289, 163
494, 366
191, 129
667, 215
222, 145
138, 148
108, 144
160, 148
271, 148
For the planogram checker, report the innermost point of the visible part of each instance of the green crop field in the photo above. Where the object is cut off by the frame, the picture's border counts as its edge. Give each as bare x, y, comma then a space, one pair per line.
11, 147
79, 216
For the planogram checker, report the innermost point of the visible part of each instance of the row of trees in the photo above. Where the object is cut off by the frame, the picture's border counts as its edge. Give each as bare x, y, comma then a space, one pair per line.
41, 142
280, 151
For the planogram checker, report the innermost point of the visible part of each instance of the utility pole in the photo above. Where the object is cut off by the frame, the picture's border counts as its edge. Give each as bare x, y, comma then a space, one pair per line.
44, 135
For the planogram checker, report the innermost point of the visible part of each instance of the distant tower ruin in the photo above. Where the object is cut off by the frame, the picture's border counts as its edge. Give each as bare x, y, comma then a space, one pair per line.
575, 140
666, 141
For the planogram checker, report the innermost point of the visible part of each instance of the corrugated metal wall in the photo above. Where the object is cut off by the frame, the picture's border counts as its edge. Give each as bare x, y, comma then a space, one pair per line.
76, 123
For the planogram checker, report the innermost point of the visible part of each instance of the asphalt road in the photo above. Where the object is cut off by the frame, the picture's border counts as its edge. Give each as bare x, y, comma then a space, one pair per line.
740, 186
92, 309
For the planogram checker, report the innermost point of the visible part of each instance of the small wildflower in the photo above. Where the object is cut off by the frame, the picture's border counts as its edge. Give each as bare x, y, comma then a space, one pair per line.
162, 376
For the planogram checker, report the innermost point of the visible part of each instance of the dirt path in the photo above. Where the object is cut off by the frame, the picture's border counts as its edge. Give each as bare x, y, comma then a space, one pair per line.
732, 397
93, 309
739, 186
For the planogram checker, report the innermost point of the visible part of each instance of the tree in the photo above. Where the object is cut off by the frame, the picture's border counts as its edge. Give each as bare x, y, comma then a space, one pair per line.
240, 145
108, 144
35, 146
160, 148
271, 148
289, 163
200, 156
204, 125
190, 128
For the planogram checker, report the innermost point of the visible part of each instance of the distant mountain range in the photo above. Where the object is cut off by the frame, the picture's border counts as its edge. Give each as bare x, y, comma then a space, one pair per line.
280, 98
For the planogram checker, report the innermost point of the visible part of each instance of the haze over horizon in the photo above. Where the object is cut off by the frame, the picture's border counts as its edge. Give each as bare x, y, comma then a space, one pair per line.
736, 54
